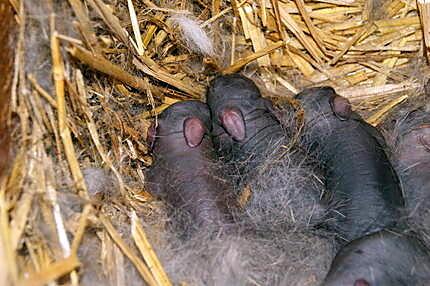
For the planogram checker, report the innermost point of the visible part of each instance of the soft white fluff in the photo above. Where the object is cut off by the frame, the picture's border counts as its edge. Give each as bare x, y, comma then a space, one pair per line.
193, 35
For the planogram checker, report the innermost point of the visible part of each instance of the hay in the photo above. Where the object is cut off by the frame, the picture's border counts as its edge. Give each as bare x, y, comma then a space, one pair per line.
90, 75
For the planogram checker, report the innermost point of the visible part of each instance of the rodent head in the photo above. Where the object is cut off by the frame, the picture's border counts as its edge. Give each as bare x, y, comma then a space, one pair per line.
380, 259
323, 101
231, 98
413, 140
181, 126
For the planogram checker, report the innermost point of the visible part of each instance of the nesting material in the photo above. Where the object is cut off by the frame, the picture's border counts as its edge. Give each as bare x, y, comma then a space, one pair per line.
424, 10
88, 78
285, 194
289, 259
193, 35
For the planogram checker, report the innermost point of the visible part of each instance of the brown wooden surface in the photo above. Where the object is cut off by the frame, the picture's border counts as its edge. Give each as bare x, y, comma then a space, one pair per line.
6, 74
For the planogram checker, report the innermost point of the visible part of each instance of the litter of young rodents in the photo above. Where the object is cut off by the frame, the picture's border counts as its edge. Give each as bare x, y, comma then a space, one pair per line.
89, 76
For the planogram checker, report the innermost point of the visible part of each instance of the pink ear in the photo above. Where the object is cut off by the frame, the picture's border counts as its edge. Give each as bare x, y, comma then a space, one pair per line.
194, 130
150, 135
232, 120
341, 107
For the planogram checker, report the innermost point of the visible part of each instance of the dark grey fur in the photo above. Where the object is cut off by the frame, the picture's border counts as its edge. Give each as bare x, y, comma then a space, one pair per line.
361, 182
285, 188
262, 129
412, 160
381, 259
188, 178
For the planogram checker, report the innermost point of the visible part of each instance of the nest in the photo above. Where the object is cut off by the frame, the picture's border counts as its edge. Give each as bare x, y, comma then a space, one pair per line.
89, 76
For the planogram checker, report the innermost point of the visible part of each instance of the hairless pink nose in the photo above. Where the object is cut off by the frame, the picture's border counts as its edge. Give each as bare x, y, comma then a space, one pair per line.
194, 131
341, 107
361, 282
233, 122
